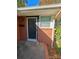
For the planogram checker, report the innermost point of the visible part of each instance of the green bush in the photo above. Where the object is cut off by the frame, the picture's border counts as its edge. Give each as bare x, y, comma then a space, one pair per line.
58, 39
20, 3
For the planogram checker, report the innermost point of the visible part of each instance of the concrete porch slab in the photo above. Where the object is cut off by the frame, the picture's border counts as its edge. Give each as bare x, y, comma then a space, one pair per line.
30, 50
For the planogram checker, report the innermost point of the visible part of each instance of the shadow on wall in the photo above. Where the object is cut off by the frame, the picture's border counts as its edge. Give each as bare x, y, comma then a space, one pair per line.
44, 35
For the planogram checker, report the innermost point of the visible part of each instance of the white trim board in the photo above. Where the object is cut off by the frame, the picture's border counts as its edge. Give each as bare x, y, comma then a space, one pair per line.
40, 7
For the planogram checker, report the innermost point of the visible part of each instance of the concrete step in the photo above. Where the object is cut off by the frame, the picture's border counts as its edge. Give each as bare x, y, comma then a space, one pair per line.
53, 54
54, 57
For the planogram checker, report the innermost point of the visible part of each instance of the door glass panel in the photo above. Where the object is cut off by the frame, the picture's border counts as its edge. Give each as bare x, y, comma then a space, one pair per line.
32, 28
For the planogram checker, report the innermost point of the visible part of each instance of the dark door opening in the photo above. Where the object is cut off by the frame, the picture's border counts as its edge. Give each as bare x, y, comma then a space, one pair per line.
32, 28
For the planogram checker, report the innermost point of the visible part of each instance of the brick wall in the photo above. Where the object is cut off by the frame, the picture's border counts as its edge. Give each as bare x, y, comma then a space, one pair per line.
45, 36
21, 28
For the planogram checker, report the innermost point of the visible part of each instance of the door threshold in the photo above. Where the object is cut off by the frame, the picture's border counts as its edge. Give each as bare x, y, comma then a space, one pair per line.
33, 40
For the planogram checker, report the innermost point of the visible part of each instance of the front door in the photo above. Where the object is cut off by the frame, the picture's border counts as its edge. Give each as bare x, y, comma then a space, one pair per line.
32, 28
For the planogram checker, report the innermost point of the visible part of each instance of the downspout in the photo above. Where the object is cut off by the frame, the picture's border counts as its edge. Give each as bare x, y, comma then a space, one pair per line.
53, 30
53, 27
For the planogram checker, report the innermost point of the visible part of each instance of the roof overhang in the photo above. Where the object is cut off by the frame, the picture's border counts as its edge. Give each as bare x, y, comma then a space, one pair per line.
41, 10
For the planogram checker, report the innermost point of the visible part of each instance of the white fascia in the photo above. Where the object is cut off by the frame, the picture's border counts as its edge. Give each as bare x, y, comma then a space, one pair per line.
40, 7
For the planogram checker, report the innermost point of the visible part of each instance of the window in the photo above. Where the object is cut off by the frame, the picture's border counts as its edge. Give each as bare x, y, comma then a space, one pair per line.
45, 21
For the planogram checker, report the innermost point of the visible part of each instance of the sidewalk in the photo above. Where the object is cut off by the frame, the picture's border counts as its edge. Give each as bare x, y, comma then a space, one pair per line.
30, 50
